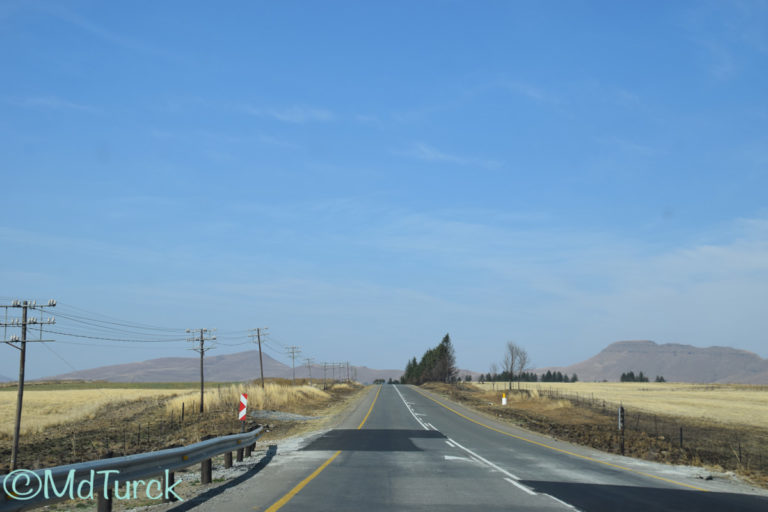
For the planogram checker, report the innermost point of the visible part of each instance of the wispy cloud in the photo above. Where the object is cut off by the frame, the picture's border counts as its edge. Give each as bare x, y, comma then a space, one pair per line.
429, 153
220, 138
295, 114
51, 102
105, 34
529, 90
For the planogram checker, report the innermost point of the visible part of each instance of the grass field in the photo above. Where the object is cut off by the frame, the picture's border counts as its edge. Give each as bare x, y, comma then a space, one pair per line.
722, 403
273, 396
57, 402
46, 407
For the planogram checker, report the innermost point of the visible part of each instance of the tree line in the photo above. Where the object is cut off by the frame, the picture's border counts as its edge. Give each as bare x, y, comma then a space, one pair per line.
631, 377
529, 377
438, 364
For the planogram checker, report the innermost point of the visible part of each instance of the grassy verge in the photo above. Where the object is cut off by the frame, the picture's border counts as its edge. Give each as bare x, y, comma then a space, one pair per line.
655, 437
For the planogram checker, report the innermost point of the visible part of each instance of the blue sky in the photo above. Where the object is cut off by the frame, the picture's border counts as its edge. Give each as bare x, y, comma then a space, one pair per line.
363, 177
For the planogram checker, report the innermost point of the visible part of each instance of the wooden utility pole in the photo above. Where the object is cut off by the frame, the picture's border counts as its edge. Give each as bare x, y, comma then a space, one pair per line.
309, 362
259, 331
294, 351
325, 367
202, 349
22, 347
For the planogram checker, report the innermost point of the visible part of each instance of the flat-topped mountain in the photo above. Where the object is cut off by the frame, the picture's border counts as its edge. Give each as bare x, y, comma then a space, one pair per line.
676, 362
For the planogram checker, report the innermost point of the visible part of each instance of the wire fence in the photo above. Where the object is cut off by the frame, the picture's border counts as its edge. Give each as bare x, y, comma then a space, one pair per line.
676, 439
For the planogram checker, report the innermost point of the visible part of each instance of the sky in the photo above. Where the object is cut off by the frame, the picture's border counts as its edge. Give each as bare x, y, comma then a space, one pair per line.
364, 177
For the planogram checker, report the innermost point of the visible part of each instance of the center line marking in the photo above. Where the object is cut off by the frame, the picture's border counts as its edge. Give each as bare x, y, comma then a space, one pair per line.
520, 486
407, 406
486, 461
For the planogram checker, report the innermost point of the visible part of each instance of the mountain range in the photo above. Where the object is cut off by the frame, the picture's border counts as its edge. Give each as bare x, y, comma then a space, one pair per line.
240, 366
673, 361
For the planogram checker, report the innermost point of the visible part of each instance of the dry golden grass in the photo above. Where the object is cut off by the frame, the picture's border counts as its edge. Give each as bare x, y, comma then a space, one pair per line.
722, 403
52, 407
273, 396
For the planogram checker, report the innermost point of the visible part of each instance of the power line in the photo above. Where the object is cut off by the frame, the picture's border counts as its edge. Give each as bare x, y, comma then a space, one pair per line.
115, 339
117, 321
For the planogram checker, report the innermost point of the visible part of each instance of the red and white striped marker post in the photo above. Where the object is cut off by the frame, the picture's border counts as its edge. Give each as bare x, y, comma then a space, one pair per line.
243, 407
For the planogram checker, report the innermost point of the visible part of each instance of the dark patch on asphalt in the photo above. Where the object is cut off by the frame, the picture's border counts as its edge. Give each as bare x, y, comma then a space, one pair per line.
372, 440
597, 497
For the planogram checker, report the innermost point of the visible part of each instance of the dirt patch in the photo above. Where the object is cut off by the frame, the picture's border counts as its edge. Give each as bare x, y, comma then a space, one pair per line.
652, 437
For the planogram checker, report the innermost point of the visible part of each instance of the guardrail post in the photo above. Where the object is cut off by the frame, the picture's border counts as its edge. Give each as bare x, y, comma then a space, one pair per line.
169, 484
105, 504
206, 467
239, 455
228, 460
248, 450
206, 471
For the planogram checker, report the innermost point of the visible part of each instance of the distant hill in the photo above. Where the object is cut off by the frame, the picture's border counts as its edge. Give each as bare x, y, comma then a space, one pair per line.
677, 363
3, 378
224, 368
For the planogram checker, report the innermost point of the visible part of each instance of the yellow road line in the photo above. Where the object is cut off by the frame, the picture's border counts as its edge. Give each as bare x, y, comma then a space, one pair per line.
293, 492
560, 449
369, 410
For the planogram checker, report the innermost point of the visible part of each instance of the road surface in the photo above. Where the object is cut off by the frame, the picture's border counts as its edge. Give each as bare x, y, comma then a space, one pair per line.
403, 449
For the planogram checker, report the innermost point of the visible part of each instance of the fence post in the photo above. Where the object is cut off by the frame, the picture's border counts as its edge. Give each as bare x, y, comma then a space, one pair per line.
228, 460
621, 429
681, 437
739, 452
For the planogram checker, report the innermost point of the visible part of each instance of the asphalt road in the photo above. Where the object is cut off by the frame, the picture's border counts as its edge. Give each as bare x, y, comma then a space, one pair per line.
401, 449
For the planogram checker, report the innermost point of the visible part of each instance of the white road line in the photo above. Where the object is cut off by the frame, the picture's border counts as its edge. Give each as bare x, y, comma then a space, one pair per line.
453, 457
450, 444
410, 410
561, 502
520, 486
485, 461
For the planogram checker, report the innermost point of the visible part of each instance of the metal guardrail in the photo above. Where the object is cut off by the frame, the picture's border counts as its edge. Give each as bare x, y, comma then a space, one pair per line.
28, 486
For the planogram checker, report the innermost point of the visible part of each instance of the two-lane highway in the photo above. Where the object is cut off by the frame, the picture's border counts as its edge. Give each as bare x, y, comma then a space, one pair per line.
406, 449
